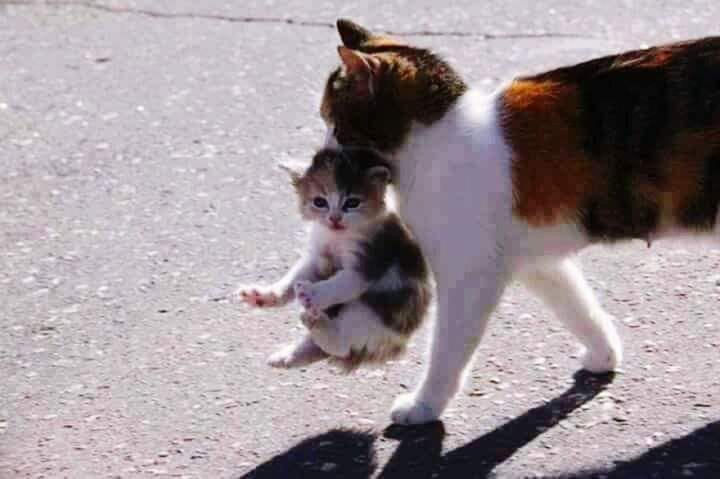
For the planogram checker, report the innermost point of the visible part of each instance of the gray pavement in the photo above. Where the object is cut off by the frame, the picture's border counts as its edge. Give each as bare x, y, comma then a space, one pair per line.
137, 188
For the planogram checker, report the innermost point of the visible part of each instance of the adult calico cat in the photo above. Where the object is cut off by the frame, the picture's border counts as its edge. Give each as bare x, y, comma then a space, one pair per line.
511, 184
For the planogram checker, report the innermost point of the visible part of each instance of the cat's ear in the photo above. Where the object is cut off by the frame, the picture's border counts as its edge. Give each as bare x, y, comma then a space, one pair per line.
352, 34
295, 171
364, 68
379, 176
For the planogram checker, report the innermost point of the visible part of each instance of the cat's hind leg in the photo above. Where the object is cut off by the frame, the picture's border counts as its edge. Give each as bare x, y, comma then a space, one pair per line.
301, 353
562, 287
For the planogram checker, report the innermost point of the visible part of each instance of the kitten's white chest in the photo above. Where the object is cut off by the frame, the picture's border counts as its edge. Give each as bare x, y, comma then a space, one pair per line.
334, 252
327, 265
332, 258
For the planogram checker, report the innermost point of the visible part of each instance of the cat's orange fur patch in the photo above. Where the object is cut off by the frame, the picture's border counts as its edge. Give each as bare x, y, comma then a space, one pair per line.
550, 171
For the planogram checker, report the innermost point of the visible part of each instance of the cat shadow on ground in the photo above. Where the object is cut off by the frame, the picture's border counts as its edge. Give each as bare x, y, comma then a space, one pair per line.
695, 455
350, 454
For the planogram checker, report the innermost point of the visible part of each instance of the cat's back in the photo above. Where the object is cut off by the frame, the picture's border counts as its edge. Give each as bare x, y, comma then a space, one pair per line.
621, 141
699, 53
629, 103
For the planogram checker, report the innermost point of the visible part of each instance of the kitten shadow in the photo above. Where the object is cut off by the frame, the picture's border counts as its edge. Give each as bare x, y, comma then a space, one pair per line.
420, 451
695, 455
337, 453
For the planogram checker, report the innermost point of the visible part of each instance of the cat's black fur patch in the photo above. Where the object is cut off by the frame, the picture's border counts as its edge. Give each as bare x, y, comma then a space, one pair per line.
702, 211
703, 74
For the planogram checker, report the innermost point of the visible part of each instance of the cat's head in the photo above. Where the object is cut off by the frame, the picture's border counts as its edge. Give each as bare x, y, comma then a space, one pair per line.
343, 190
381, 87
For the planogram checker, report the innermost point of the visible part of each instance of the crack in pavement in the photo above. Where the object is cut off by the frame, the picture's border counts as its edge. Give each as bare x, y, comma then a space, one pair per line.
291, 21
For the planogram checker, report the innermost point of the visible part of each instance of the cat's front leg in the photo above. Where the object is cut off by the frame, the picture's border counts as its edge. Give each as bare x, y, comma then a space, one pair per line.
280, 292
465, 303
344, 286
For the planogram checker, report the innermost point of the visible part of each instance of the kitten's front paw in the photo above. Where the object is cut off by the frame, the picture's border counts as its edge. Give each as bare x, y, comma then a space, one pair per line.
262, 296
305, 293
411, 409
312, 318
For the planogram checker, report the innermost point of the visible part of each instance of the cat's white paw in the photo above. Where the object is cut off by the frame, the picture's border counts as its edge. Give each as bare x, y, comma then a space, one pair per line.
604, 359
411, 409
262, 296
305, 294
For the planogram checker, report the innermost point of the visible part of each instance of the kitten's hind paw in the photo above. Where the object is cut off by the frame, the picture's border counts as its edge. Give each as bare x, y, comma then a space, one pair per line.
283, 358
296, 355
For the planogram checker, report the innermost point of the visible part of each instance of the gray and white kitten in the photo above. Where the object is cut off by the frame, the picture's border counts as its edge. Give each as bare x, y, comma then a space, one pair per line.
363, 280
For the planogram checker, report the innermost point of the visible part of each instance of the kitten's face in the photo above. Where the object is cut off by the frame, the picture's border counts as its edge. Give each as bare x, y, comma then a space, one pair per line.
381, 87
343, 191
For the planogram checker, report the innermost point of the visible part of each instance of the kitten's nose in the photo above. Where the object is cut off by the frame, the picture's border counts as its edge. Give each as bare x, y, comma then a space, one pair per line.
335, 218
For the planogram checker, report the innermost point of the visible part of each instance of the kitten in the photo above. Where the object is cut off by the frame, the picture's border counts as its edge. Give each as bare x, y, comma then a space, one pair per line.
509, 185
363, 282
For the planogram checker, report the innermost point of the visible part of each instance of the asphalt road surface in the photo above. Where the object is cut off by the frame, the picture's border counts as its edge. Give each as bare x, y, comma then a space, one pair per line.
137, 189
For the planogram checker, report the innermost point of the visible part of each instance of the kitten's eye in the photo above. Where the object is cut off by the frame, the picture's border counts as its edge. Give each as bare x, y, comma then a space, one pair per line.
319, 202
351, 203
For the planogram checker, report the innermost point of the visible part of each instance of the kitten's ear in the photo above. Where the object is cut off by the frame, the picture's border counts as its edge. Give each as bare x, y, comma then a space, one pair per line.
352, 34
364, 68
379, 176
295, 171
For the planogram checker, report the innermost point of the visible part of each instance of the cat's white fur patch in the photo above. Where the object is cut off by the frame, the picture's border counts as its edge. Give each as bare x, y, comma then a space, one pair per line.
454, 190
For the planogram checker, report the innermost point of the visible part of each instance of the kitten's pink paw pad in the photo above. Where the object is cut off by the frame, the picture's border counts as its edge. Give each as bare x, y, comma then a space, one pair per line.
259, 296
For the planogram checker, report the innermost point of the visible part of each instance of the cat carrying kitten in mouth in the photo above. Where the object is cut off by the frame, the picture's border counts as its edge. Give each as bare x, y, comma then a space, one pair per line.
363, 280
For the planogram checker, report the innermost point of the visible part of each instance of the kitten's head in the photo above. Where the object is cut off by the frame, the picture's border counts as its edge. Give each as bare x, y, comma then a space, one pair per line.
381, 88
344, 190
